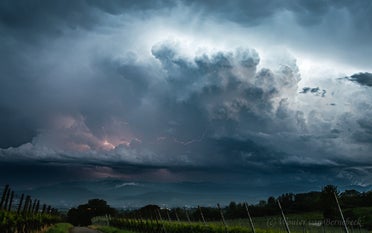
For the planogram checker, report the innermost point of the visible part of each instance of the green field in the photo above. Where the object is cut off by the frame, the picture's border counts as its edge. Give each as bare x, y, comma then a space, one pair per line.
298, 223
13, 222
307, 222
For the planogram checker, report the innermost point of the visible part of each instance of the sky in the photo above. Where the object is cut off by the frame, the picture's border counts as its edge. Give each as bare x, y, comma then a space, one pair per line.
271, 95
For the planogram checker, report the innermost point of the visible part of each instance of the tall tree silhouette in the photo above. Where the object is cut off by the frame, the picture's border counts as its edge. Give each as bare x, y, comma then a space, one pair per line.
328, 202
83, 214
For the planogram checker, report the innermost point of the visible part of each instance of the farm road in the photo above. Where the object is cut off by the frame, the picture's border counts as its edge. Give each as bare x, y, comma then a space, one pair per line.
83, 230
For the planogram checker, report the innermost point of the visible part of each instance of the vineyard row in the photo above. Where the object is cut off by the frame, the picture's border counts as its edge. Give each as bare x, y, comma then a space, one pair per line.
26, 216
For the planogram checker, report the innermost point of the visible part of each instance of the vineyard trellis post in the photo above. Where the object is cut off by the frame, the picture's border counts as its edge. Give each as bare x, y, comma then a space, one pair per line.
341, 214
25, 207
24, 217
187, 215
175, 213
161, 221
10, 201
44, 209
159, 214
3, 196
222, 217
139, 227
283, 216
5, 206
20, 203
37, 206
202, 216
167, 211
33, 206
249, 217
29, 206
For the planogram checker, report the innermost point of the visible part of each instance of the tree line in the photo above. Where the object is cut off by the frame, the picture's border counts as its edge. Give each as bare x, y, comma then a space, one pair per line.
315, 201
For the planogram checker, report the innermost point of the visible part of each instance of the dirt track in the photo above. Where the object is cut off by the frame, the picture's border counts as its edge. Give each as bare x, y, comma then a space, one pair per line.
83, 230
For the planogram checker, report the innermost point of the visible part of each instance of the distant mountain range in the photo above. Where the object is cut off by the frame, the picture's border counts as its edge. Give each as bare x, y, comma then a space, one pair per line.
128, 195
121, 194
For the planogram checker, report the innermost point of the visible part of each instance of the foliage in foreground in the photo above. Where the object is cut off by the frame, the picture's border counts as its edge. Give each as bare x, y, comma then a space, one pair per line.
60, 228
143, 226
12, 222
180, 227
362, 213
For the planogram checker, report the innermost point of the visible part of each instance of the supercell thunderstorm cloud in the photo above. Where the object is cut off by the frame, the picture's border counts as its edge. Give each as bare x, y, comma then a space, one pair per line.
256, 96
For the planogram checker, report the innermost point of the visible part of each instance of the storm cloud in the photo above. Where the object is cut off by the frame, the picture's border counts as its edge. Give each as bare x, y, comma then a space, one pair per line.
362, 79
175, 88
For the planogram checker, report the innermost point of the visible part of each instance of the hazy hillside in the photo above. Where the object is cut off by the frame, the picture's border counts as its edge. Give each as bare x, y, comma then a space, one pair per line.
123, 194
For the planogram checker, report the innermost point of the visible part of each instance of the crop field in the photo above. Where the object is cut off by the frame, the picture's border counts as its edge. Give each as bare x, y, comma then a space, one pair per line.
11, 222
23, 214
261, 225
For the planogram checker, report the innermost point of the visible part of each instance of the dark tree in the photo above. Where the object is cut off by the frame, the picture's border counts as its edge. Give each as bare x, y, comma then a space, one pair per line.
82, 215
235, 210
367, 200
328, 202
271, 202
287, 200
149, 211
351, 198
305, 202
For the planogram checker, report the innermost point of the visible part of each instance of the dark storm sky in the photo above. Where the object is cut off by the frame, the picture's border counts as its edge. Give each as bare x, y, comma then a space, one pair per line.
245, 91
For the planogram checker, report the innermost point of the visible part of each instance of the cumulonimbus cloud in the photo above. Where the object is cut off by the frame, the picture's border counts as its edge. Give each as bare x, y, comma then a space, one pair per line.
110, 87
195, 109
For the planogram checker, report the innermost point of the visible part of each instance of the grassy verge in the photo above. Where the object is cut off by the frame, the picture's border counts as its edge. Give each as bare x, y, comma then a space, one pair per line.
59, 228
107, 229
